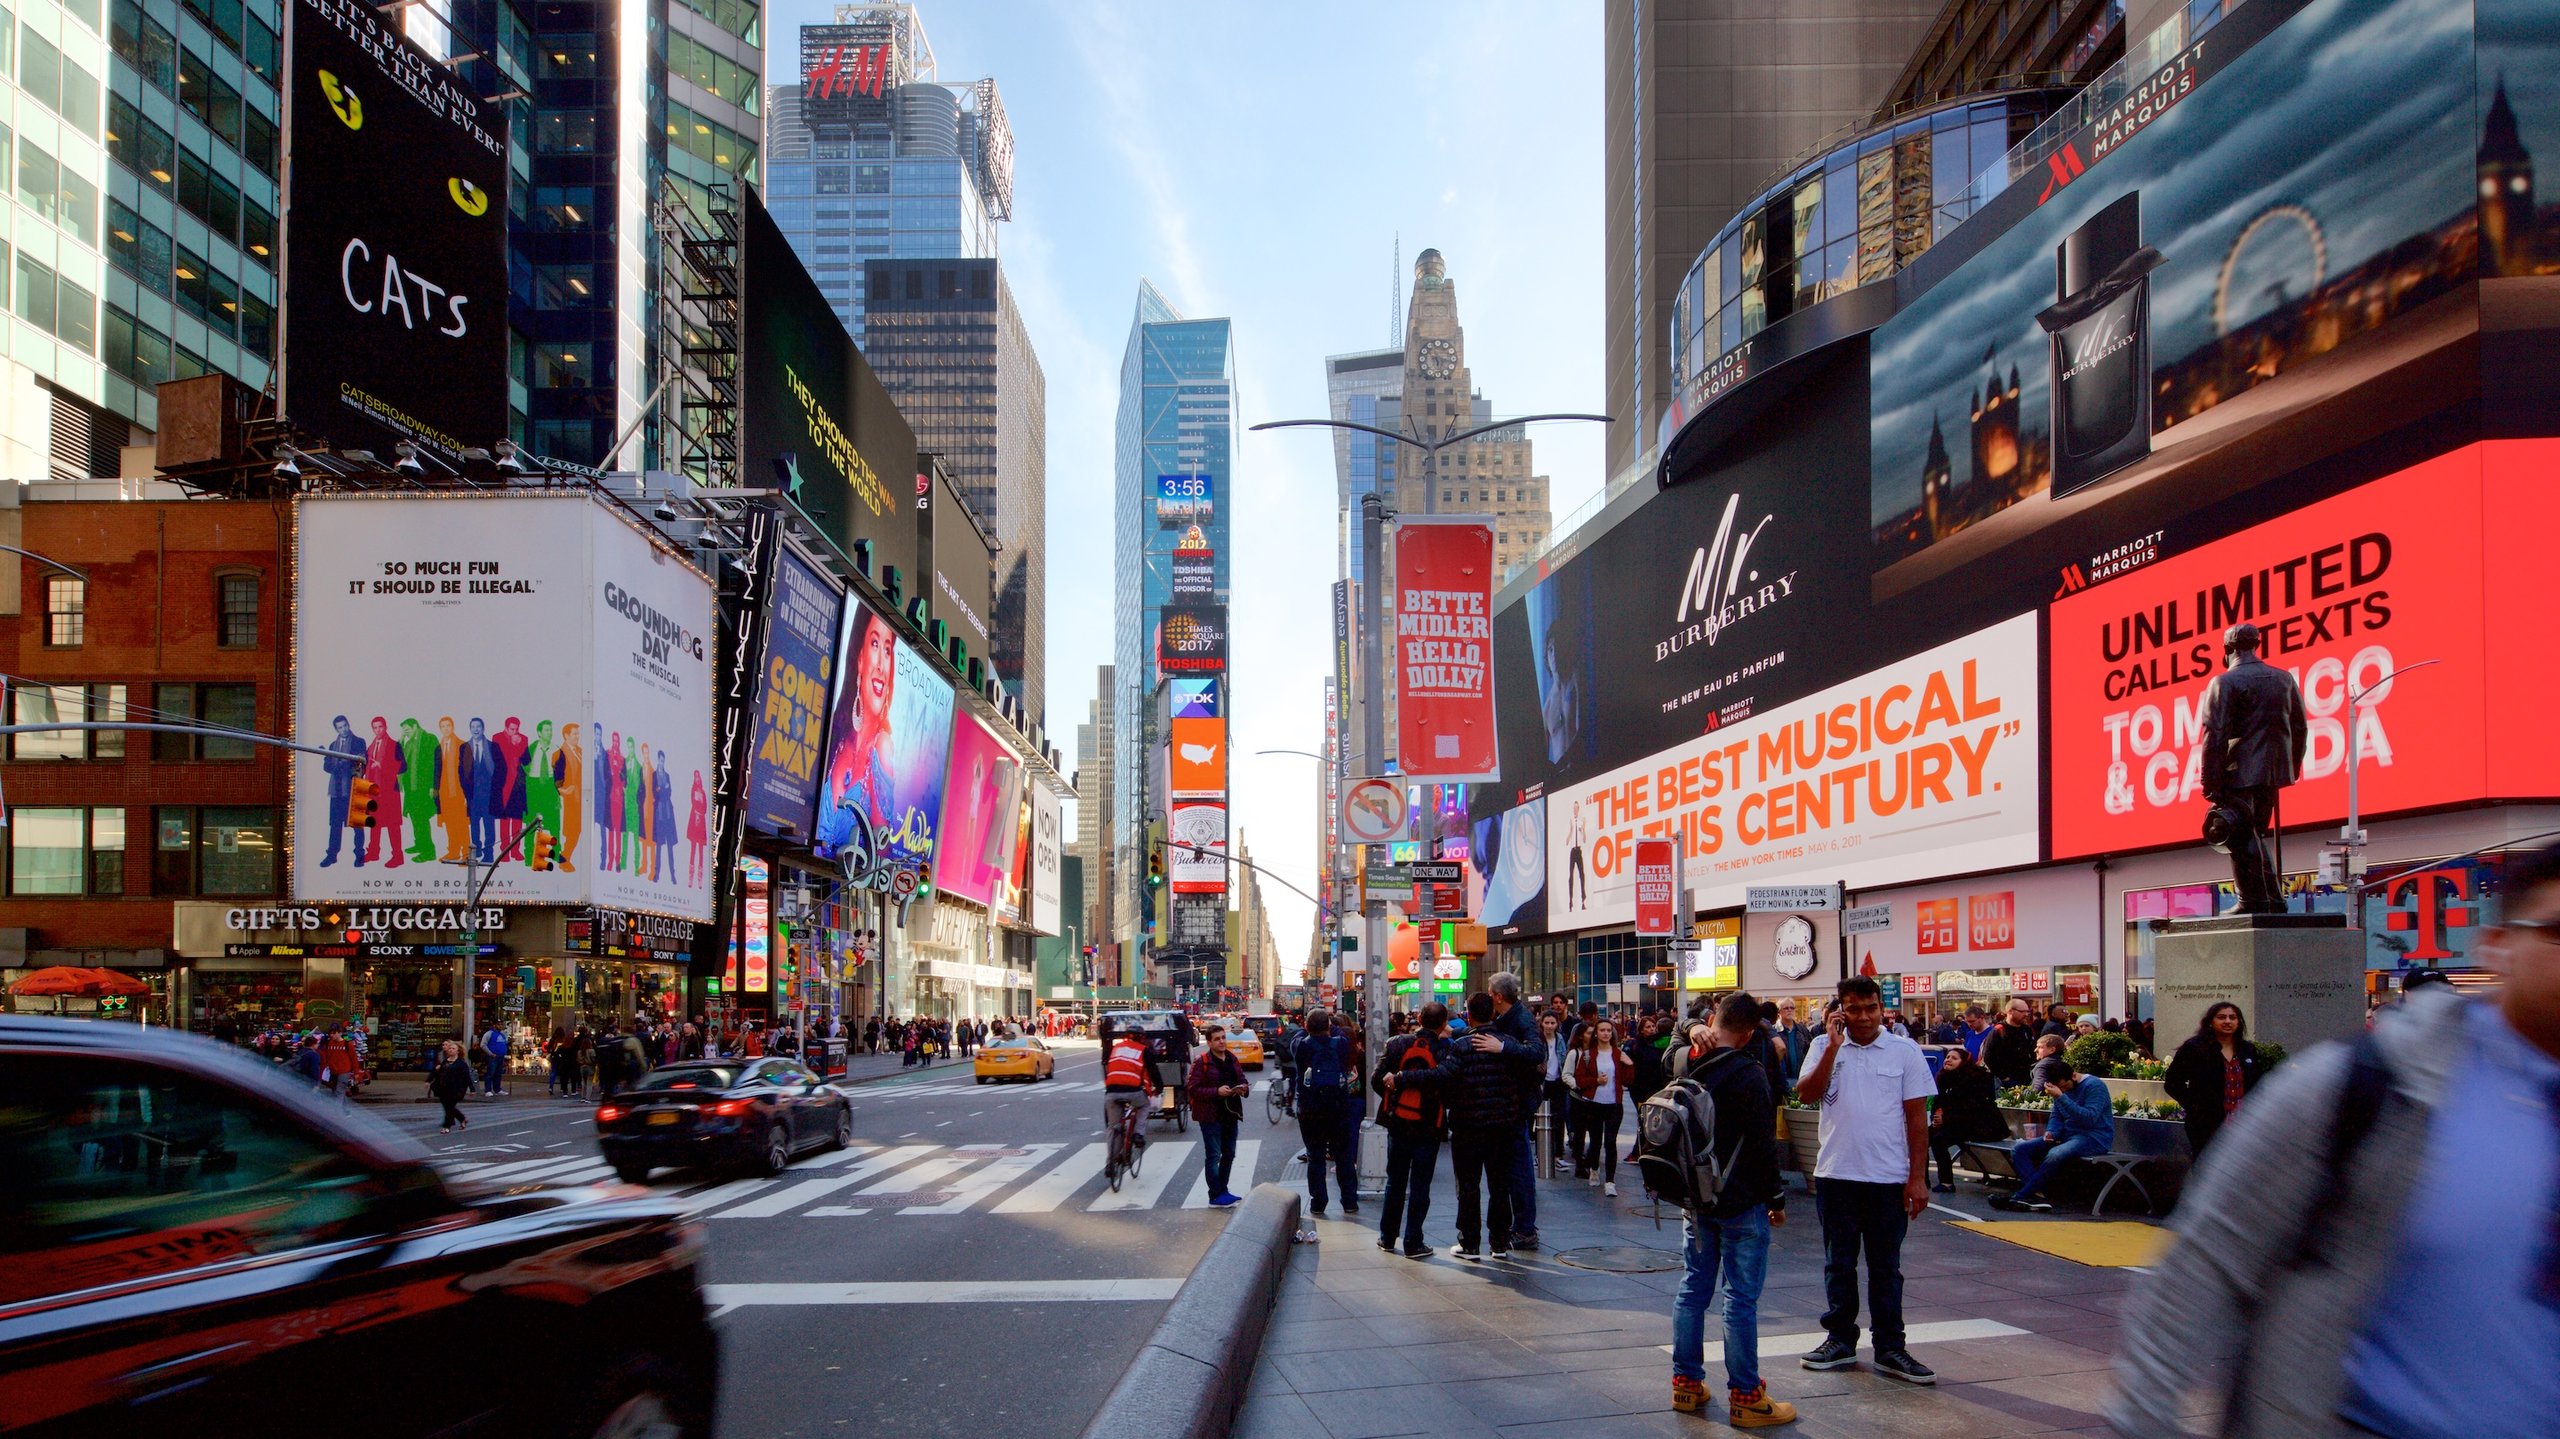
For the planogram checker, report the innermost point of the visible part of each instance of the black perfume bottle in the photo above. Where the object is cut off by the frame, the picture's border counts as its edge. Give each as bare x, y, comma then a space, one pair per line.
2101, 326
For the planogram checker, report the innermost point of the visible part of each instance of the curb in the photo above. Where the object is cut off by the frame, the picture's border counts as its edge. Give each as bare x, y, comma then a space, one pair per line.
1189, 1379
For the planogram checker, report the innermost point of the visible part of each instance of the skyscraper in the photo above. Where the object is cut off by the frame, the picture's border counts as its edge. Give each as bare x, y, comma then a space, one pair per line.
1176, 418
1094, 798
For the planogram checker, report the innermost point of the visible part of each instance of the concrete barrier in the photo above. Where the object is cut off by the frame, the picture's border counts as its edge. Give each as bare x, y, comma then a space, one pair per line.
1189, 1379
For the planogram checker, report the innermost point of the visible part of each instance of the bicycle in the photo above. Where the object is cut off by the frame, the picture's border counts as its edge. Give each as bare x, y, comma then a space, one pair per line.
1125, 1154
1280, 1098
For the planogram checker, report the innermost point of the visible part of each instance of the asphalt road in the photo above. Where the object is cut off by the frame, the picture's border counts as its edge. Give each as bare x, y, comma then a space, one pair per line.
962, 1270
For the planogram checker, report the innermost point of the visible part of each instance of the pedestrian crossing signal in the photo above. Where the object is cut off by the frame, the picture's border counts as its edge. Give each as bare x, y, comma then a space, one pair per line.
539, 854
360, 804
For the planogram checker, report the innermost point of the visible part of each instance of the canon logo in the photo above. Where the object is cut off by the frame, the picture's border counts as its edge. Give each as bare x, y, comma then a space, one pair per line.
1722, 588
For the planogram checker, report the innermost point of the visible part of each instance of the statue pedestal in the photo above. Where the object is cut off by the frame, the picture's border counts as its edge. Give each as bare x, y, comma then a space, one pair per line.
2298, 978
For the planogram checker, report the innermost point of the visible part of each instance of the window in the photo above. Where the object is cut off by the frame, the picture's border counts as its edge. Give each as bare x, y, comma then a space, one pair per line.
143, 147
236, 610
564, 366
45, 704
47, 850
262, 50
259, 143
234, 706
257, 326
237, 851
573, 57
62, 86
194, 294
564, 287
258, 233
135, 350
66, 606
195, 190
565, 132
146, 45
173, 846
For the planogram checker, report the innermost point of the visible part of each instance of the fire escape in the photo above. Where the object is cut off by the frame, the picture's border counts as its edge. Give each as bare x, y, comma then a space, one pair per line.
698, 332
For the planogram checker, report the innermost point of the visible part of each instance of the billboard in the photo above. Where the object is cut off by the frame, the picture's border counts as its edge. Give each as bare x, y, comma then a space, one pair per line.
888, 745
1196, 847
1192, 639
1926, 766
841, 62
497, 666
1195, 576
1185, 499
1048, 848
1444, 651
2348, 590
2225, 229
1196, 697
963, 563
817, 423
788, 735
1508, 853
979, 819
1196, 756
395, 254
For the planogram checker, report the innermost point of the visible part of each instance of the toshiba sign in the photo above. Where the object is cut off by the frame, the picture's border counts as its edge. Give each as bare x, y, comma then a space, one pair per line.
2424, 565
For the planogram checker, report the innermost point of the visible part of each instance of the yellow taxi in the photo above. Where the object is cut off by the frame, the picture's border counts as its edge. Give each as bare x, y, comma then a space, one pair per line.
1020, 1056
1244, 1044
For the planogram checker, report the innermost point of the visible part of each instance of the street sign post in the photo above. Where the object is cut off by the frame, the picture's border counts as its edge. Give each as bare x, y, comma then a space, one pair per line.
1867, 919
1374, 810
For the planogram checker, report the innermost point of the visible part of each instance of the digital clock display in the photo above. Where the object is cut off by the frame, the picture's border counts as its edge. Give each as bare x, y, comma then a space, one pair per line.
1183, 489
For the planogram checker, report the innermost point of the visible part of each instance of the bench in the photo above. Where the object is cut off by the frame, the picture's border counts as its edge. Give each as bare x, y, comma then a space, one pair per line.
2120, 1165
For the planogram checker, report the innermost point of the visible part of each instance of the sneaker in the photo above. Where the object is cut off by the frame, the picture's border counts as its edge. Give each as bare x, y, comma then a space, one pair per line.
1898, 1364
1754, 1409
1424, 1252
1502, 1254
1350, 1210
1688, 1395
1461, 1251
1834, 1354
1943, 1188
1563, 1165
1525, 1241
2012, 1204
1385, 1244
1224, 1201
1610, 1189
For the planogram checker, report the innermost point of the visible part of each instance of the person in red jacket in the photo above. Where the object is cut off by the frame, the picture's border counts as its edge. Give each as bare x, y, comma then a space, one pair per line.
338, 1061
1127, 1081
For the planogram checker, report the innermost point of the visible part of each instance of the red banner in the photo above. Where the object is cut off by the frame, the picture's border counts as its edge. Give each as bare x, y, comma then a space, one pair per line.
1444, 652
1654, 903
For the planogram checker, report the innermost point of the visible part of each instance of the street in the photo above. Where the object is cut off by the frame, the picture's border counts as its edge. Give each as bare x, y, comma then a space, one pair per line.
961, 1270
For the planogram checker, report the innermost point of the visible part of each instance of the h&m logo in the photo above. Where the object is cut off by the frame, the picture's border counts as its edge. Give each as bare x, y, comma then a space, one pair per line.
840, 72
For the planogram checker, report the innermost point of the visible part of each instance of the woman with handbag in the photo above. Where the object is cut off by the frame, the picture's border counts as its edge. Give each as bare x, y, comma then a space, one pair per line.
1602, 1074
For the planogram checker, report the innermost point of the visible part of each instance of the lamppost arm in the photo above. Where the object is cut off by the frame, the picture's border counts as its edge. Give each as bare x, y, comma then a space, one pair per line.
81, 575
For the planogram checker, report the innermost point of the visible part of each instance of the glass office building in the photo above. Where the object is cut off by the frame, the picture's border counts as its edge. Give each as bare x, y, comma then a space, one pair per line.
53, 60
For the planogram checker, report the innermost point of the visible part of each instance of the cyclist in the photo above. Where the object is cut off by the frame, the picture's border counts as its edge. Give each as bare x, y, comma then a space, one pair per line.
1128, 1080
1283, 1049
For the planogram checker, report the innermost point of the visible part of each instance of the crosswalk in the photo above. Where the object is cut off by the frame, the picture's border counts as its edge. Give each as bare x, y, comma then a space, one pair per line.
921, 1180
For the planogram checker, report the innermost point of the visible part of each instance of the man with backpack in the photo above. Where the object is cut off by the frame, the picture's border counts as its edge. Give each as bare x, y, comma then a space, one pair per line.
1411, 1113
1480, 1085
1325, 1080
1707, 1142
2372, 1245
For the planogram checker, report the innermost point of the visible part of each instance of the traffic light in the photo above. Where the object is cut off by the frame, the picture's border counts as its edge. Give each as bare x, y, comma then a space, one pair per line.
360, 804
1155, 869
538, 854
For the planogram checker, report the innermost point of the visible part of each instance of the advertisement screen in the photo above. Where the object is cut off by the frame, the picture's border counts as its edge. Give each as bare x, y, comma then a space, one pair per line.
1196, 847
789, 734
1444, 651
1196, 698
1508, 853
888, 745
1197, 756
1195, 576
1048, 849
395, 242
497, 667
1185, 499
2347, 591
1192, 639
1927, 765
818, 424
979, 819
2226, 227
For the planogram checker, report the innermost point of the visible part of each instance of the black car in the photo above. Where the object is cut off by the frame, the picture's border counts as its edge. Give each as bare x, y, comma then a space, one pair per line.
717, 1113
193, 1243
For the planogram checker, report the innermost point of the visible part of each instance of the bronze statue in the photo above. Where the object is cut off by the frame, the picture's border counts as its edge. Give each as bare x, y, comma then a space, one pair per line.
2254, 736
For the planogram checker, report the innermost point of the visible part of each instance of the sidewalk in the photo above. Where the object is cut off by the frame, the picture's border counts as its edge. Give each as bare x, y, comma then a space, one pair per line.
1365, 1344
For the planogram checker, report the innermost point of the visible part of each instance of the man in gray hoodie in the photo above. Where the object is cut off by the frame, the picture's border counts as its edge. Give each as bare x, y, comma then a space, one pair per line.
2372, 1246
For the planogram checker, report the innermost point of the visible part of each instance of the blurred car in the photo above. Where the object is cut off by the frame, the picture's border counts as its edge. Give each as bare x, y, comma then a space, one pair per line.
721, 1113
1021, 1056
190, 1237
1245, 1044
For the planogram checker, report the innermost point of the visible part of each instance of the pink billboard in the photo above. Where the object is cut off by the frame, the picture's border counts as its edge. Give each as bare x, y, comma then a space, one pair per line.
979, 801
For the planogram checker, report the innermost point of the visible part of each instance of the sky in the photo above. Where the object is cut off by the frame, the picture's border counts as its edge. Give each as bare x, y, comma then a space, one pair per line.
1260, 162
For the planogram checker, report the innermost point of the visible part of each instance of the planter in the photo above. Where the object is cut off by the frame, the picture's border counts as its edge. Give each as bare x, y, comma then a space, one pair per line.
1804, 1137
2153, 1090
2153, 1138
2020, 1119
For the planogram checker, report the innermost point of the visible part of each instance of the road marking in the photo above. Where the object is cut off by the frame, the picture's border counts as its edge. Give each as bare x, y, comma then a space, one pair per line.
793, 1196
1052, 1189
1248, 1154
1945, 1331
563, 1144
523, 1170
721, 1191
725, 1297
1163, 1161
512, 1133
974, 1113
946, 1124
988, 1180
910, 1134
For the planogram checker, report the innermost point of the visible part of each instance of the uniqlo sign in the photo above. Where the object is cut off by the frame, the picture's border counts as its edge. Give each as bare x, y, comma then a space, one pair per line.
2031, 981
1991, 920
1654, 901
2442, 562
1935, 922
1919, 986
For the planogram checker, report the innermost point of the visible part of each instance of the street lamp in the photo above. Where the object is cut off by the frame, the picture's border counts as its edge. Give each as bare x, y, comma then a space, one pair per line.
49, 563
2351, 837
1373, 517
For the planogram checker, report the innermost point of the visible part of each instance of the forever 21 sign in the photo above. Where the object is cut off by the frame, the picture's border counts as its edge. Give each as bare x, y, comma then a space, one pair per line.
395, 241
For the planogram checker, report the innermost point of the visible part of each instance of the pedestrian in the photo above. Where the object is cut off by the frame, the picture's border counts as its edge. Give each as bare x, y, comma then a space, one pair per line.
448, 1081
1555, 1089
2373, 1245
338, 1064
1409, 1106
2009, 1047
1325, 1074
1217, 1087
1652, 1036
1480, 1083
1728, 1238
1601, 1073
2212, 1072
306, 1062
1511, 1033
1968, 1109
1870, 1173
2083, 1124
493, 1055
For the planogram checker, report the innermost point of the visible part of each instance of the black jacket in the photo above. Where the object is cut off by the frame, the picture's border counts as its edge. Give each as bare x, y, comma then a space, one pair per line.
2010, 1054
1520, 1029
2195, 1079
1968, 1106
1393, 1063
1479, 1090
2254, 728
1746, 1129
450, 1081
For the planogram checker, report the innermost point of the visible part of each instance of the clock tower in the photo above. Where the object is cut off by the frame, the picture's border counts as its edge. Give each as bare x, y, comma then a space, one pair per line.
1489, 475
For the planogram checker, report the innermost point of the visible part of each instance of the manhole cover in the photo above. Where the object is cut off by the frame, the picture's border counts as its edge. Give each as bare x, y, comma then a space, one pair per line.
912, 1198
1625, 1259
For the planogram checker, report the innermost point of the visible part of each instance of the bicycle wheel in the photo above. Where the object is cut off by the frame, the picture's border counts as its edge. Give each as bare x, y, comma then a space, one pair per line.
1113, 1167
1272, 1105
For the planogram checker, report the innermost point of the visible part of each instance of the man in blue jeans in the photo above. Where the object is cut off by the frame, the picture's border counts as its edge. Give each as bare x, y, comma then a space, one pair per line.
2084, 1123
1324, 1113
1512, 1032
1870, 1173
493, 1051
1731, 1239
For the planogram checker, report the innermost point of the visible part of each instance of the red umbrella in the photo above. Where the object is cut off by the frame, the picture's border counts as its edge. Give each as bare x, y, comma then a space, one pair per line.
78, 983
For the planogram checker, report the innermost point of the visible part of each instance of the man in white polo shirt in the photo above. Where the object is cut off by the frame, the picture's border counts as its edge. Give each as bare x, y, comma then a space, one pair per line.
1871, 1173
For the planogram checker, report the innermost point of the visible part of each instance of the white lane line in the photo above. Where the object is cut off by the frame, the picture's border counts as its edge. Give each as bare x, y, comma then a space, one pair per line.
987, 1181
1163, 1161
1248, 1154
517, 1133
522, 1170
974, 1113
1945, 1331
946, 1124
725, 1297
910, 1180
722, 1193
793, 1196
910, 1134
1053, 1188
563, 1144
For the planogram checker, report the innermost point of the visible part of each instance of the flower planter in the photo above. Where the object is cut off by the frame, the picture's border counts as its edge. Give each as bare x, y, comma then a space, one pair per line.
1804, 1137
2152, 1090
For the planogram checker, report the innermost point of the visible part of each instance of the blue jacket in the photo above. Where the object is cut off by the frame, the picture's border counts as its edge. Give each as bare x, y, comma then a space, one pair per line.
2087, 1111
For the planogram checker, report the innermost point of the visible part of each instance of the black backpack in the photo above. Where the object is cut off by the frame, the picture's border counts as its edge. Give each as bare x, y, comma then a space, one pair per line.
1676, 1141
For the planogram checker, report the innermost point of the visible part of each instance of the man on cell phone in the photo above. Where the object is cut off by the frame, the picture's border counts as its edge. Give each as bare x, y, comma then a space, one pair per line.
1870, 1174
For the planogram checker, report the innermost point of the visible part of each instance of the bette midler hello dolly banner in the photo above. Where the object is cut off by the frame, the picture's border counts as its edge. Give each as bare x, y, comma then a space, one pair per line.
1444, 651
493, 666
1926, 766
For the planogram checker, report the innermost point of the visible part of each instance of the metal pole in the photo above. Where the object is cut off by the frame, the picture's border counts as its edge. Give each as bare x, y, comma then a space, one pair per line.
1373, 748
